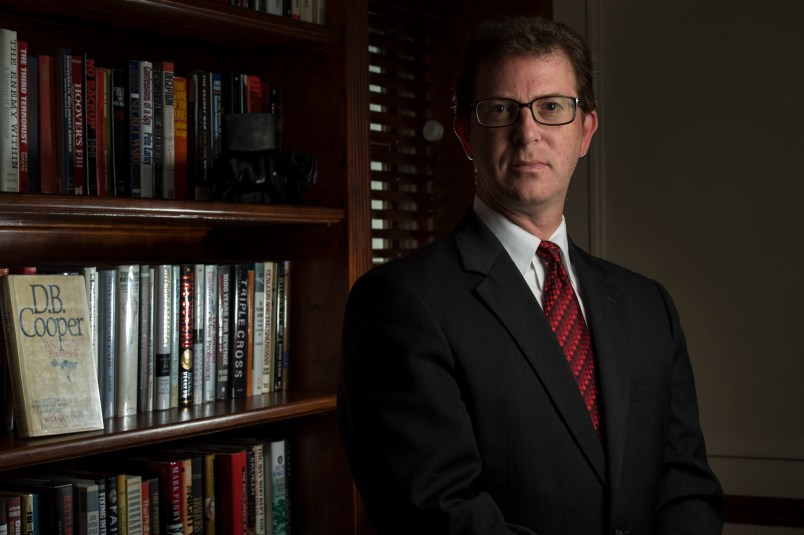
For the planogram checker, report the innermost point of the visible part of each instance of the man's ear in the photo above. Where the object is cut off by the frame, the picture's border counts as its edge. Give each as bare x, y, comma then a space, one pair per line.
461, 127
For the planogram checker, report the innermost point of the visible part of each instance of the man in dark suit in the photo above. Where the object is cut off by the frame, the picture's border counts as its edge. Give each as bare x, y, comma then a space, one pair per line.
473, 398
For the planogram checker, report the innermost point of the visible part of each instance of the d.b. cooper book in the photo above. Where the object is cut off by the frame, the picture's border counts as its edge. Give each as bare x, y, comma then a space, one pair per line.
49, 348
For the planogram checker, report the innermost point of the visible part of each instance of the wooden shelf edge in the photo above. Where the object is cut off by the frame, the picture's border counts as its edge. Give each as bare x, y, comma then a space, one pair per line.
163, 426
182, 17
21, 208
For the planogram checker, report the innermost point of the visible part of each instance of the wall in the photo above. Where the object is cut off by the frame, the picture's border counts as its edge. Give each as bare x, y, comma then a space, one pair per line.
695, 179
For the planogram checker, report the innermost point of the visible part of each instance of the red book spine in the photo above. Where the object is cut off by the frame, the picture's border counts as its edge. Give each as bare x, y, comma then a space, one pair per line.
233, 488
79, 146
48, 155
186, 306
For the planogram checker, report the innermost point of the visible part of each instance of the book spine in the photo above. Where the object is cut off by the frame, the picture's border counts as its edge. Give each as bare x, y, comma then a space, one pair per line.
269, 349
48, 153
180, 133
145, 393
238, 332
200, 159
175, 365
34, 169
158, 80
90, 274
24, 97
105, 141
107, 340
91, 109
186, 310
121, 154
210, 330
250, 335
128, 289
224, 322
281, 320
199, 321
233, 490
258, 329
162, 332
169, 134
279, 487
64, 120
9, 107
146, 129
135, 128
216, 115
77, 110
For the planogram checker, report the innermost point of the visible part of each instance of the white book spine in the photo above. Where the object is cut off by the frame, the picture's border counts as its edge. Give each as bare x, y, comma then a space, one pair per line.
163, 309
128, 284
210, 331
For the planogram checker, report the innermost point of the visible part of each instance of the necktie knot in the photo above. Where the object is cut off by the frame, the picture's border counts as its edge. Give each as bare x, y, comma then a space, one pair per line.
549, 252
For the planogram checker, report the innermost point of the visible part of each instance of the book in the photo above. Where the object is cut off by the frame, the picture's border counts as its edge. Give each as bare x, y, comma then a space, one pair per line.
166, 171
92, 125
282, 333
104, 131
151, 505
107, 339
224, 321
186, 342
86, 502
134, 128
199, 322
260, 483
180, 133
175, 357
120, 136
9, 111
258, 329
11, 513
32, 125
238, 331
48, 152
279, 487
250, 336
210, 331
200, 134
23, 110
163, 311
170, 478
269, 349
77, 109
145, 346
146, 129
55, 499
127, 363
64, 119
231, 501
129, 503
53, 378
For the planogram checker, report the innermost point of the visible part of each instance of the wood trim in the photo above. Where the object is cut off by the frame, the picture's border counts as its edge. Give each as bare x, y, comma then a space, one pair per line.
765, 511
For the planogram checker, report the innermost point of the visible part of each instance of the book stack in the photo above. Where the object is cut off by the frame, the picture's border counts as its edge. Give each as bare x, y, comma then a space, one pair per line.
313, 11
162, 336
129, 128
235, 486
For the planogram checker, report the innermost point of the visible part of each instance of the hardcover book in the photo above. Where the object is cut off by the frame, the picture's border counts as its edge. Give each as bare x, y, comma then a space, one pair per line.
46, 328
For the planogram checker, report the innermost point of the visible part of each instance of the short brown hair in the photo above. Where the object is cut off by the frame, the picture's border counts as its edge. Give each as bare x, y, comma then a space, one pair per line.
517, 36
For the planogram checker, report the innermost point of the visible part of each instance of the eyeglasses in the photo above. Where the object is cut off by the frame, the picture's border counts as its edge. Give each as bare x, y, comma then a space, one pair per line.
550, 111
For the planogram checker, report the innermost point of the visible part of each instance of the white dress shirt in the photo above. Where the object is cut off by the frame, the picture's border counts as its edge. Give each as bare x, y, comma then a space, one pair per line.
522, 245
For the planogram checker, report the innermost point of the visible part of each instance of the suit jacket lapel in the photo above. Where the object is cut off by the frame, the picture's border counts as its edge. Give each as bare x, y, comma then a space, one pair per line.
605, 312
505, 293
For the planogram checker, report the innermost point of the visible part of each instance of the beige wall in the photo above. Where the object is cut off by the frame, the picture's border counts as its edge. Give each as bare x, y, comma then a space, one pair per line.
696, 178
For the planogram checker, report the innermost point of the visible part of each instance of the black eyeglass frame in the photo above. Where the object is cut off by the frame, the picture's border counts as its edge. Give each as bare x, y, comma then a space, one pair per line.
575, 100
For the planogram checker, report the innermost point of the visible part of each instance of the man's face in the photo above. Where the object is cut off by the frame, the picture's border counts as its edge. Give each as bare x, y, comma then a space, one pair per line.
524, 170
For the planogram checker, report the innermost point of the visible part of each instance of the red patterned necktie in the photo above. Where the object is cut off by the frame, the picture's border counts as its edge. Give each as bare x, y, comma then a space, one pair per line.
564, 315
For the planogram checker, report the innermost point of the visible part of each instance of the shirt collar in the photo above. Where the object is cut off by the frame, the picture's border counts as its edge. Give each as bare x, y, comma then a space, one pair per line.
519, 243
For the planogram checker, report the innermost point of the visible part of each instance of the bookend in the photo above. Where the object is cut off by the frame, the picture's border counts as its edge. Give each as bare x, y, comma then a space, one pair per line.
252, 169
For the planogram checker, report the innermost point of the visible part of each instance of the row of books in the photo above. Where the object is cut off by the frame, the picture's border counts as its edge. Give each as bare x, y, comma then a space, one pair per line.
231, 487
155, 337
304, 10
136, 128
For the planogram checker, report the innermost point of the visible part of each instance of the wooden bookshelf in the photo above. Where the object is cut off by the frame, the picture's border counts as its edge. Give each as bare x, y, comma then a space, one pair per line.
323, 74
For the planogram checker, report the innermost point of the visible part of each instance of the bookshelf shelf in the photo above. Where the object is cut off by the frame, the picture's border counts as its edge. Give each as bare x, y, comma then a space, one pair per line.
163, 426
319, 70
32, 210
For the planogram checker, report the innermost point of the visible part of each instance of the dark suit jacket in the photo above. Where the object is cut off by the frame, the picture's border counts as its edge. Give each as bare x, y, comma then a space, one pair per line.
460, 415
